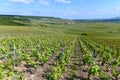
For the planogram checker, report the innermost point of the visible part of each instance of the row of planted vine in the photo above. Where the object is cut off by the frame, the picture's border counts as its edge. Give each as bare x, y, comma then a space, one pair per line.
103, 61
98, 55
62, 60
30, 50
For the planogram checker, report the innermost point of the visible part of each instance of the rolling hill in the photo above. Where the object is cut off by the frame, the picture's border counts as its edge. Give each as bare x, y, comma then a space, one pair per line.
17, 20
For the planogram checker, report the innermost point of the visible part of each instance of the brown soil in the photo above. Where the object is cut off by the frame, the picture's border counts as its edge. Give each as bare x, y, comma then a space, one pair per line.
80, 74
81, 69
39, 73
68, 73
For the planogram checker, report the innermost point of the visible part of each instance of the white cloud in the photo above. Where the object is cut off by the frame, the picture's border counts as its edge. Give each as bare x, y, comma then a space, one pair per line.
16, 12
44, 2
63, 1
37, 5
21, 1
100, 11
117, 8
7, 4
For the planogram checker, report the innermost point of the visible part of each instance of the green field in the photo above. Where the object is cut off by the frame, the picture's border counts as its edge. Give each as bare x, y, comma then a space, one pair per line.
34, 48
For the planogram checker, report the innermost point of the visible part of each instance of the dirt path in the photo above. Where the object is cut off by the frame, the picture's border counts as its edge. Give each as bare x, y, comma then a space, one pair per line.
75, 62
80, 74
67, 74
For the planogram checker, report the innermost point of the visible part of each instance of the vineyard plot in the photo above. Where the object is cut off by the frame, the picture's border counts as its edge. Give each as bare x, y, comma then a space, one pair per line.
60, 57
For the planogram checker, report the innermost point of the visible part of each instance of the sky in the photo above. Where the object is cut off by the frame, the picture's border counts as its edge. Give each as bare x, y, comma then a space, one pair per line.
68, 9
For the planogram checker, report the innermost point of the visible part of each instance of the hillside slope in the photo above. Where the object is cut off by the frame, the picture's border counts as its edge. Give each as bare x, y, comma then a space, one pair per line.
17, 20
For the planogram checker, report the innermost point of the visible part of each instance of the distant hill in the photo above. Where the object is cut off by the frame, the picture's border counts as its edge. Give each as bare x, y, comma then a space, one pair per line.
12, 20
18, 20
116, 18
111, 20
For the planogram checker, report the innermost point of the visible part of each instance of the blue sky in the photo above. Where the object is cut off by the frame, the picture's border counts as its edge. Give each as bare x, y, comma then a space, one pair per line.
70, 9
